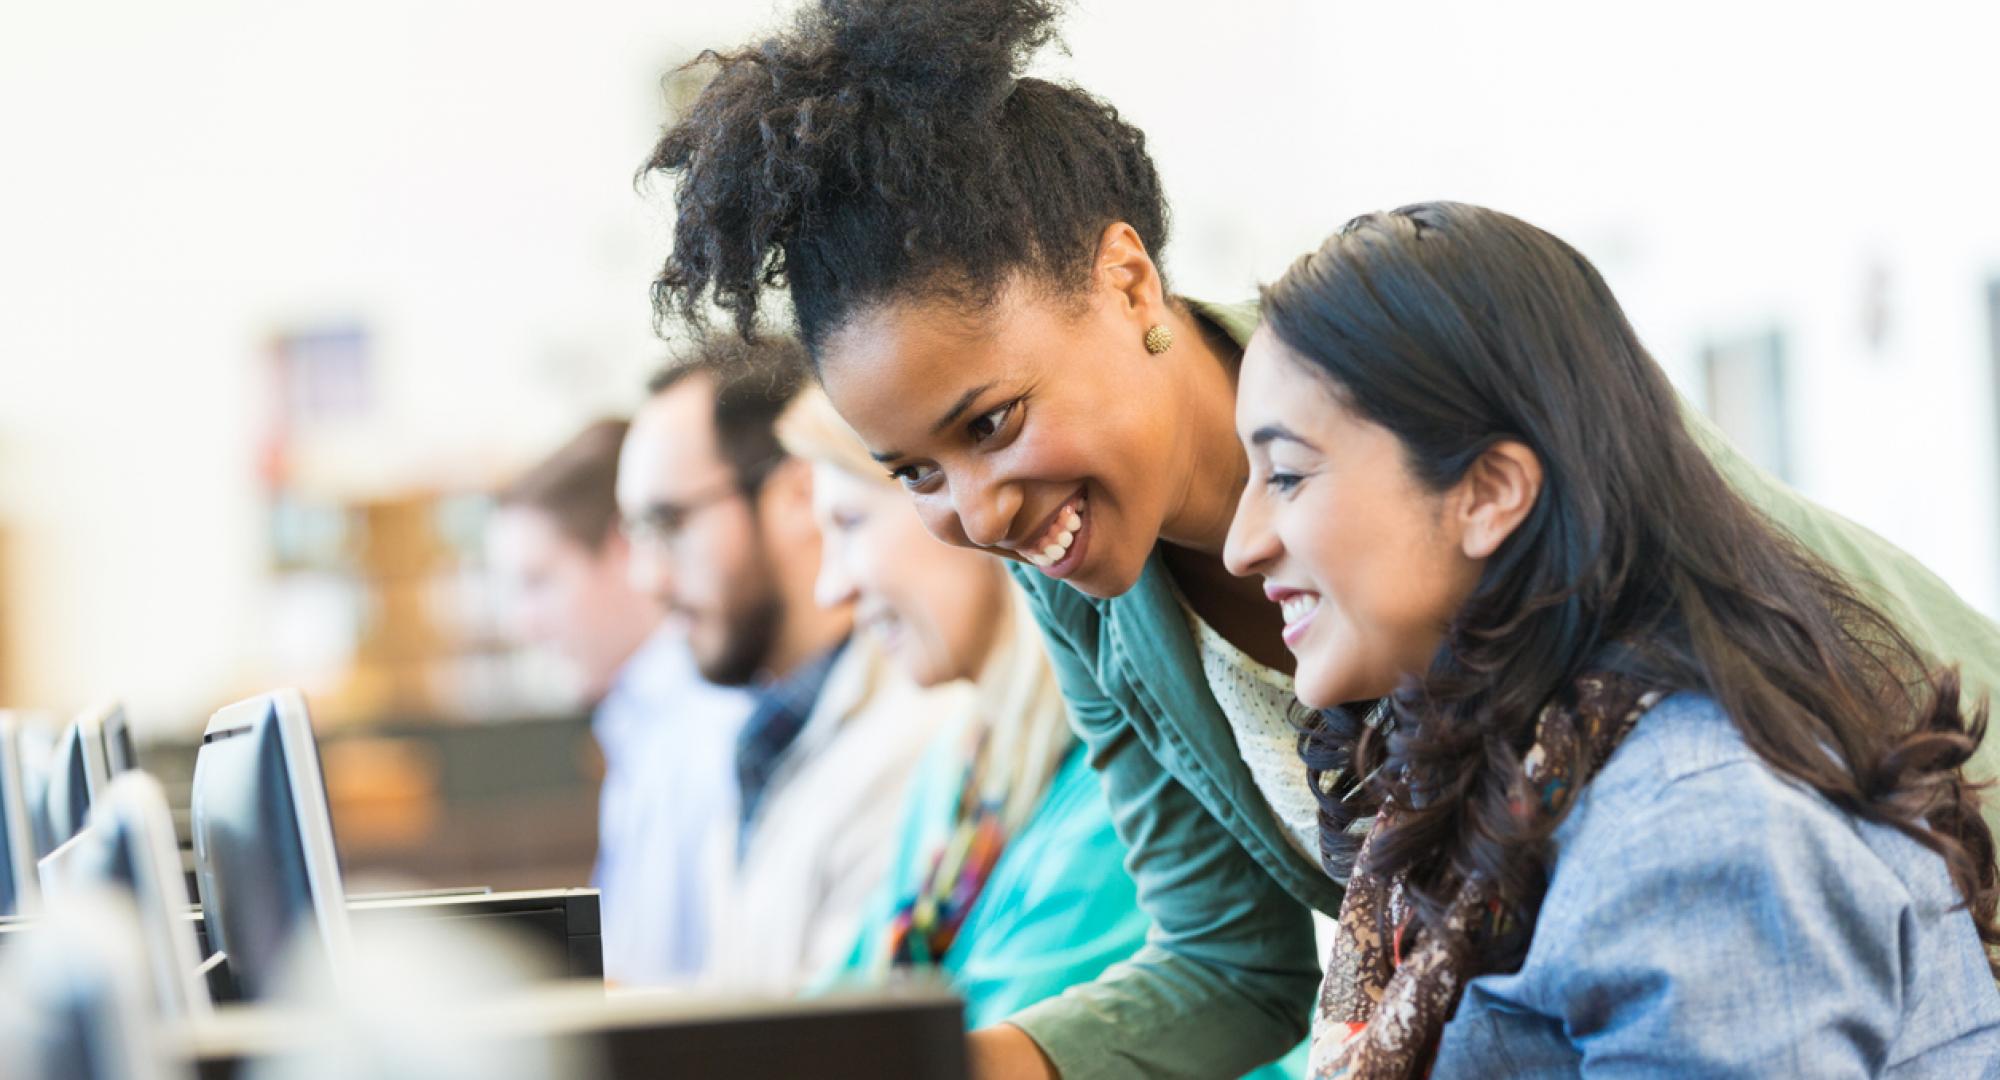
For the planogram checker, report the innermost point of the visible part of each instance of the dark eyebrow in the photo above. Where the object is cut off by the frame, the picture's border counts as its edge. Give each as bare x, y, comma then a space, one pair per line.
964, 403
1271, 433
949, 418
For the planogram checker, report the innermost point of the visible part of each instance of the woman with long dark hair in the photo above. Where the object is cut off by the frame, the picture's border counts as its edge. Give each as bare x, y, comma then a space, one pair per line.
972, 259
1655, 788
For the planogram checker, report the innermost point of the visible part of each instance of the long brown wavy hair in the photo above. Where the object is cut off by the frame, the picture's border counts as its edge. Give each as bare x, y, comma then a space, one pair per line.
1456, 327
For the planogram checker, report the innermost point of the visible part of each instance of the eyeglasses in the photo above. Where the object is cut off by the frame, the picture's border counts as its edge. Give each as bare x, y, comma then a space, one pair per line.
662, 525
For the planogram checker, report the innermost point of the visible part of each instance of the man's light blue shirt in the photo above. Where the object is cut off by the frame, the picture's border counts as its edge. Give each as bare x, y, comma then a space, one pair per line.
669, 741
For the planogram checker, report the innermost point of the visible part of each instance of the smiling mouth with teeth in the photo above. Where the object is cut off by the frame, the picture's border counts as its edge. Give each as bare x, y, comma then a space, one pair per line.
1298, 609
1054, 544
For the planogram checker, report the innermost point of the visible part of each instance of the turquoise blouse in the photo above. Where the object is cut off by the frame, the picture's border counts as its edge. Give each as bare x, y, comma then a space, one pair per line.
1057, 909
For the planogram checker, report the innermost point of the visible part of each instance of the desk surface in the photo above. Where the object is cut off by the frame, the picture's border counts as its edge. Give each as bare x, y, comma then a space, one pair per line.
911, 1033
564, 923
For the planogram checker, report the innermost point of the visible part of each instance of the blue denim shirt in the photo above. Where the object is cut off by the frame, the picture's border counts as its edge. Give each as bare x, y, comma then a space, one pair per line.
1708, 917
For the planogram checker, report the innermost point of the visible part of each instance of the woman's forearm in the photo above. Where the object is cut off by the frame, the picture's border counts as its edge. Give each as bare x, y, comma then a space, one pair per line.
1005, 1052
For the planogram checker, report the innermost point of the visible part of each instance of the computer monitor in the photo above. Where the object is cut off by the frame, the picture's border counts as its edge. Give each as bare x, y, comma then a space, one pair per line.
35, 739
20, 893
76, 998
77, 771
121, 755
265, 862
129, 845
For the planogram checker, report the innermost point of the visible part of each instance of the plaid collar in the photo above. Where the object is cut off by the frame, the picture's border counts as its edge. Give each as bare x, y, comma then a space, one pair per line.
782, 708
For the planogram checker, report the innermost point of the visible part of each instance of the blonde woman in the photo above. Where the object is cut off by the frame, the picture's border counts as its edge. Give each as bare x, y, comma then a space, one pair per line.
1008, 877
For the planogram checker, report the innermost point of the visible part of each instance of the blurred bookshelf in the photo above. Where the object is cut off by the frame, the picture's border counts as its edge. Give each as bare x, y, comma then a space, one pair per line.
452, 756
382, 603
380, 607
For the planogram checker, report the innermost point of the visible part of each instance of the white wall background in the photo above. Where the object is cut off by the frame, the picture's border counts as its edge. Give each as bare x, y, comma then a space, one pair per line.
181, 180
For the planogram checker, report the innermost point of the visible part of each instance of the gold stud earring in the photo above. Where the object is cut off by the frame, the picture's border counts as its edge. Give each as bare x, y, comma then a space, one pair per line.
1159, 339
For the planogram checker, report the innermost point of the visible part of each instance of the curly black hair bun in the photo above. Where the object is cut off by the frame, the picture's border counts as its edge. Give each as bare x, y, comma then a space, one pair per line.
930, 57
881, 148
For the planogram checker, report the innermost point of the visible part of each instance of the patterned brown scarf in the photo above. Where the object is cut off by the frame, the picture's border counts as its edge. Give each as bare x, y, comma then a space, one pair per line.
1381, 1008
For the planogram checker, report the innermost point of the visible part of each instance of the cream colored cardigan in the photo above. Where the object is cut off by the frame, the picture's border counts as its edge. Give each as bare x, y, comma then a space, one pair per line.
823, 836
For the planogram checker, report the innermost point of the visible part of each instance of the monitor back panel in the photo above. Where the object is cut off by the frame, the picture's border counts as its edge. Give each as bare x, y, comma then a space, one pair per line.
250, 867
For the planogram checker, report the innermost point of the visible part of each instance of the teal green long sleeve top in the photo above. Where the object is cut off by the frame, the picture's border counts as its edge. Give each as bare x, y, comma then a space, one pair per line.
1229, 971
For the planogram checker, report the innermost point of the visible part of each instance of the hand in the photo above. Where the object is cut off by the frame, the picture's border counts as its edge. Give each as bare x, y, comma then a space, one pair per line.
1004, 1052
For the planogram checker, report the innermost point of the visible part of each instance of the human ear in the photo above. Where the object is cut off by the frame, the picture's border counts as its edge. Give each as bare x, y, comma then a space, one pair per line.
786, 500
1495, 496
1124, 272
